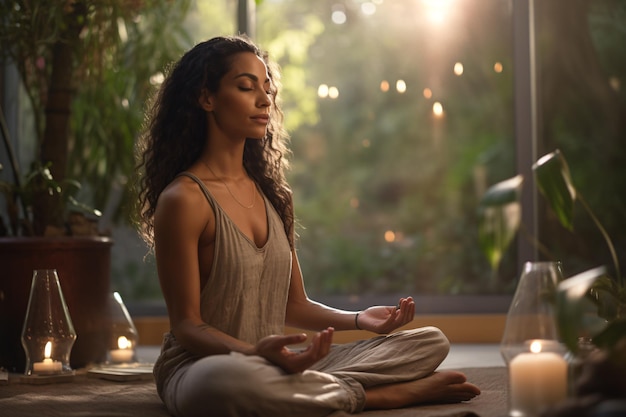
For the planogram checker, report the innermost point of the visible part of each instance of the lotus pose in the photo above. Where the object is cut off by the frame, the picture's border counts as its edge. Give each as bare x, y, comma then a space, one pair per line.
218, 212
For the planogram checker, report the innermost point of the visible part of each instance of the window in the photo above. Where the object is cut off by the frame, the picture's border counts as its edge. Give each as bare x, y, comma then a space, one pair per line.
581, 75
401, 115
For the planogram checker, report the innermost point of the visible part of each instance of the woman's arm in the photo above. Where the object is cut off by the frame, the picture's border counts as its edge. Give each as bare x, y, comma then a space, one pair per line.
305, 313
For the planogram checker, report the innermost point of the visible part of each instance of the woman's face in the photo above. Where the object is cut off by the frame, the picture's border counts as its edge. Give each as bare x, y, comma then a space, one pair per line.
240, 108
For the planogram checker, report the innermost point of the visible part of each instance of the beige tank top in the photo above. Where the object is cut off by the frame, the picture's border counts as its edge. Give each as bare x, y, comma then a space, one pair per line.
246, 293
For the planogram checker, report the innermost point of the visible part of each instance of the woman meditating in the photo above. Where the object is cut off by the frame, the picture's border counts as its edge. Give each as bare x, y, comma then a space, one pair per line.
218, 212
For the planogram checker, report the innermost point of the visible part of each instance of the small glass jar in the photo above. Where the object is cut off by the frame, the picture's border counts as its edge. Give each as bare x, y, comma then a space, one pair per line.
530, 345
48, 334
123, 334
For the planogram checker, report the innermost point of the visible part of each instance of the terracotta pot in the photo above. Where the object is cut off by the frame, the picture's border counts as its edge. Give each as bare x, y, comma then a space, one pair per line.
83, 265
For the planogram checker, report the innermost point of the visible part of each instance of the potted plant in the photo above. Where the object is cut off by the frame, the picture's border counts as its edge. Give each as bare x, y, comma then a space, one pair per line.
86, 68
590, 307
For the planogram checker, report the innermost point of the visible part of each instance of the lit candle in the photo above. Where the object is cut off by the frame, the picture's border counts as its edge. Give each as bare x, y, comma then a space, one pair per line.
48, 365
125, 351
538, 379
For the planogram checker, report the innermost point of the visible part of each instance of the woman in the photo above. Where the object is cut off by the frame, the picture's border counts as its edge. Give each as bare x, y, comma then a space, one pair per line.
218, 212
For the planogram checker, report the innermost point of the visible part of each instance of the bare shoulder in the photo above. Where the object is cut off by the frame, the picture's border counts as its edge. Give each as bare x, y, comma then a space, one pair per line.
183, 201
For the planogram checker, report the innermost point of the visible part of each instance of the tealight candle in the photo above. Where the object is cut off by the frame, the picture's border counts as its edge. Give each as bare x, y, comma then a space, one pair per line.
48, 365
121, 355
538, 379
124, 353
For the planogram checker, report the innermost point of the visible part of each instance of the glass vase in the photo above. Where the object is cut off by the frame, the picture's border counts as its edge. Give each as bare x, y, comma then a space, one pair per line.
530, 345
48, 334
123, 334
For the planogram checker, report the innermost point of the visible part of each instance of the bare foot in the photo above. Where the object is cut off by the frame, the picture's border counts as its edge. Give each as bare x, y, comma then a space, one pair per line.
440, 387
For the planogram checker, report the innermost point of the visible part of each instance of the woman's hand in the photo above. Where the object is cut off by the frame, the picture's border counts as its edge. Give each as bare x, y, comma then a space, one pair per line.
385, 319
274, 349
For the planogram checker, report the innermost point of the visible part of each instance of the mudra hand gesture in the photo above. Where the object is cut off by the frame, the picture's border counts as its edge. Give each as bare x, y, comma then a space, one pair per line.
385, 319
274, 349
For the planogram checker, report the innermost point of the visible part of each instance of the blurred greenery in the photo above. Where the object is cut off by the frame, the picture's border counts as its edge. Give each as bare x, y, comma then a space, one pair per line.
386, 193
107, 115
583, 103
369, 161
587, 302
85, 70
158, 40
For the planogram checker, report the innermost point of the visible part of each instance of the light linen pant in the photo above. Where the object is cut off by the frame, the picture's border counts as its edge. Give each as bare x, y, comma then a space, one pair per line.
244, 386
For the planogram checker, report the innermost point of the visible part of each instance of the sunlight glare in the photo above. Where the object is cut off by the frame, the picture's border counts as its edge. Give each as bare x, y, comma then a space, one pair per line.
333, 92
121, 29
458, 68
436, 16
157, 78
338, 17
368, 8
437, 109
436, 10
322, 91
401, 86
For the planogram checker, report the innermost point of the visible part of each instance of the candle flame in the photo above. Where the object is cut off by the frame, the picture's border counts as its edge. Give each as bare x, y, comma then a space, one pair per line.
535, 347
47, 350
123, 342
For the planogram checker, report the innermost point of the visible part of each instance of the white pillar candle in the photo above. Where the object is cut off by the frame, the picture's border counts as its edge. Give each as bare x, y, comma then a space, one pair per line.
121, 355
537, 379
48, 365
124, 353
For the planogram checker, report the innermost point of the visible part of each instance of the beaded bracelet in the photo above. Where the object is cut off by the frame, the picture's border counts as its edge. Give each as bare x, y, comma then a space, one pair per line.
356, 321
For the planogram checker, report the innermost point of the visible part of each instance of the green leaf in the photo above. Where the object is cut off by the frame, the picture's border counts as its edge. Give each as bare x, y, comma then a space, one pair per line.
613, 333
84, 207
499, 218
554, 181
606, 294
504, 192
577, 286
575, 313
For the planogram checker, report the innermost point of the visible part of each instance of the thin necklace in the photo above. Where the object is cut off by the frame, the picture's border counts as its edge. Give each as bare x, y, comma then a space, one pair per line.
230, 192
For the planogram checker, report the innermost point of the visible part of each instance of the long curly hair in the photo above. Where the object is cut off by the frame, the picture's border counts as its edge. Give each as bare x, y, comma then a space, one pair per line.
176, 127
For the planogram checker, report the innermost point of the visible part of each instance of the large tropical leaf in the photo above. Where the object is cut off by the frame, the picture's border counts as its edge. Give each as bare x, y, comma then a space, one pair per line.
576, 315
555, 183
499, 218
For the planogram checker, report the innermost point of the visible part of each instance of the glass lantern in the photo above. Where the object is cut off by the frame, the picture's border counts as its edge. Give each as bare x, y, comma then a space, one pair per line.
48, 334
530, 345
123, 334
